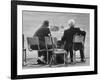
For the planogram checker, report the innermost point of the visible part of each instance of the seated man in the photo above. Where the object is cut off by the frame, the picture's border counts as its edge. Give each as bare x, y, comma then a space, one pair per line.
67, 39
41, 33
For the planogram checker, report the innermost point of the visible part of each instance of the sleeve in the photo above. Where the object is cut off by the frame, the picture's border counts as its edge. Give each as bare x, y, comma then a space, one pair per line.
83, 33
63, 38
48, 31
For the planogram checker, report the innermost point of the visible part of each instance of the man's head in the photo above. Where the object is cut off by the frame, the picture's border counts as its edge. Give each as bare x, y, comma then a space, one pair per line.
71, 23
46, 23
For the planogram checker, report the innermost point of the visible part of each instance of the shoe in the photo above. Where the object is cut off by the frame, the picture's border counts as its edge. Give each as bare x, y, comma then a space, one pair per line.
72, 62
40, 62
83, 61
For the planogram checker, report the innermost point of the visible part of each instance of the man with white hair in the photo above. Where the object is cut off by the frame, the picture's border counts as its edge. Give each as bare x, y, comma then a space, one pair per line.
67, 39
71, 23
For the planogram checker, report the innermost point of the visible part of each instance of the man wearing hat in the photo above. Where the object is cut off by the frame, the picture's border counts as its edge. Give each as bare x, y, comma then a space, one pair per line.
41, 33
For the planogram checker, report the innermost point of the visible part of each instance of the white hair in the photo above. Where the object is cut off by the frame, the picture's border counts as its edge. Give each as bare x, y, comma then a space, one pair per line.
71, 22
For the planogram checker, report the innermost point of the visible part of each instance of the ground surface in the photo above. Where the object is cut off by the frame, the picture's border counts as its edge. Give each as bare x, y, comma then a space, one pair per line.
31, 63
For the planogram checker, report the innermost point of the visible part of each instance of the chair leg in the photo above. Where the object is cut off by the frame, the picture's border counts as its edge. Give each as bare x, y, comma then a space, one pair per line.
64, 59
47, 57
74, 56
25, 55
23, 58
83, 59
54, 58
51, 60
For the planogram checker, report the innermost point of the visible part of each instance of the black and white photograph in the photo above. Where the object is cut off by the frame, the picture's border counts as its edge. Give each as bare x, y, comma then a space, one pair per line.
54, 39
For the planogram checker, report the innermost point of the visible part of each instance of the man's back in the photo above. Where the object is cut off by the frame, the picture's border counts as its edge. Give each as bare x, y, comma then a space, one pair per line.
42, 32
68, 36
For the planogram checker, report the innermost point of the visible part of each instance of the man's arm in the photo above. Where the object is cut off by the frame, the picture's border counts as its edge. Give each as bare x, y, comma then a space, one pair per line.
83, 33
80, 31
47, 32
63, 38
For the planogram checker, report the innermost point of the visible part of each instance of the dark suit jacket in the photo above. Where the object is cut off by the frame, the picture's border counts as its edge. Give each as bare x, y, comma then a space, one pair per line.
67, 38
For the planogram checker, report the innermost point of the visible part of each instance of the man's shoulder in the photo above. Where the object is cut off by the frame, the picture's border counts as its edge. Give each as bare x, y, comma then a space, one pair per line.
77, 28
71, 29
66, 30
80, 29
43, 29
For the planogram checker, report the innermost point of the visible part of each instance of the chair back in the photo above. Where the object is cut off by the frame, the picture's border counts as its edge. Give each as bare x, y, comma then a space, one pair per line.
33, 41
55, 41
48, 41
78, 38
52, 41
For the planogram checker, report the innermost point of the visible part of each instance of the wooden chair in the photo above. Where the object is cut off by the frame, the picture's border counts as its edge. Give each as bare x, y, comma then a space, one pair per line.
48, 42
24, 51
78, 39
53, 42
34, 41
